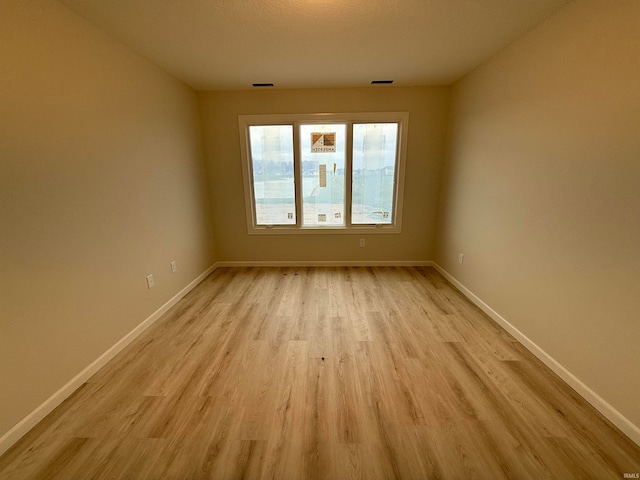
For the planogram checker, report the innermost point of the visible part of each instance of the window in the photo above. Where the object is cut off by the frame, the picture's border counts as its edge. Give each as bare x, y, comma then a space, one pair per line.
318, 173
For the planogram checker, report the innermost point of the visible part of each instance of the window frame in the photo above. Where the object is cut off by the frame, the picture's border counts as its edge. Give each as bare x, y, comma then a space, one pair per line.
246, 121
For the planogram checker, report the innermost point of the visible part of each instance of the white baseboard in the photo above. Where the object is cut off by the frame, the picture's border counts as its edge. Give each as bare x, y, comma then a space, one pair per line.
613, 415
31, 420
327, 263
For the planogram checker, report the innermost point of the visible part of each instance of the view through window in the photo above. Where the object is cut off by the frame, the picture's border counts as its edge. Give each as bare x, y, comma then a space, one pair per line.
312, 172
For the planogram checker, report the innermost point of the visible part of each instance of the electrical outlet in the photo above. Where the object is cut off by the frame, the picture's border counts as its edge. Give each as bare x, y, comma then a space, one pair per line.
150, 282
460, 258
174, 267
362, 242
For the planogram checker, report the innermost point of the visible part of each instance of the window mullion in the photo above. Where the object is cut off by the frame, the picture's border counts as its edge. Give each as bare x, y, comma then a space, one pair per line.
347, 174
297, 170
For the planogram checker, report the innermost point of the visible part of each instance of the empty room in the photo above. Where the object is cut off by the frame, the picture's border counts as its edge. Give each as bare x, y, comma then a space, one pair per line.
319, 239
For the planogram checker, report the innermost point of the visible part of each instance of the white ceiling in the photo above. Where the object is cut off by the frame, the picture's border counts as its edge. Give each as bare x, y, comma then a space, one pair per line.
230, 44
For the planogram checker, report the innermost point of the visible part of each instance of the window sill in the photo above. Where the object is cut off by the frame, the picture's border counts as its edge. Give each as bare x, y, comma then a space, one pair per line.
353, 230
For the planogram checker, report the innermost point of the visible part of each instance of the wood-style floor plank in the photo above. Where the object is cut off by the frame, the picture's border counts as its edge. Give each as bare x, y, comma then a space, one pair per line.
323, 373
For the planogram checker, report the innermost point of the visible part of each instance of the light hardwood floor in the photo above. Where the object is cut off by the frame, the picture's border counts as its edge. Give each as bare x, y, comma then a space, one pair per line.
323, 373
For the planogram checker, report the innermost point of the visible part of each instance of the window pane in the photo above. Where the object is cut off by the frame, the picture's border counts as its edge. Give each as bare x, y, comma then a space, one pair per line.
323, 162
273, 177
373, 173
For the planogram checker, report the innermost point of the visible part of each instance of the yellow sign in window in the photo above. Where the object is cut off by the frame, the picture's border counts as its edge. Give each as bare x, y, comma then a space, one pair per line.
323, 142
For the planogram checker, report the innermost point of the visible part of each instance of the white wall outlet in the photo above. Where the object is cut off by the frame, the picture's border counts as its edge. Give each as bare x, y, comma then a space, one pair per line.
174, 267
460, 258
362, 242
150, 282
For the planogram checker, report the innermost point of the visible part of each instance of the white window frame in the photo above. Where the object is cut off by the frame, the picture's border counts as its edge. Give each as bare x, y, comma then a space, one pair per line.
246, 121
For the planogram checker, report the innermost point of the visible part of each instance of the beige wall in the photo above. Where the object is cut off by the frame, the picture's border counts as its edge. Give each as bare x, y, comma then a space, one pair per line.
542, 192
427, 108
101, 183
